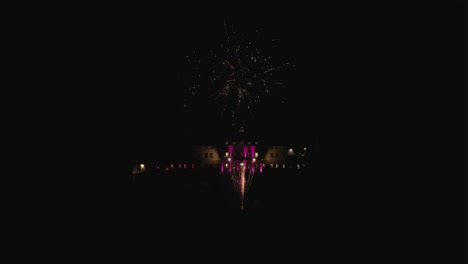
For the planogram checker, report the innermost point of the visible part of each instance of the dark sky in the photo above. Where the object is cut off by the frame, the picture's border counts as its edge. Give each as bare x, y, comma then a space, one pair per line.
349, 65
120, 70
140, 90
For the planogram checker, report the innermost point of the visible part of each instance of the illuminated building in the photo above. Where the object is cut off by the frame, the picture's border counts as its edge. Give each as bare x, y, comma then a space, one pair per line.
211, 157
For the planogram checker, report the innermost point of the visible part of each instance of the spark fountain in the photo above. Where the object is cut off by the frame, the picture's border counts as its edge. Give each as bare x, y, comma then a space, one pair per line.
241, 164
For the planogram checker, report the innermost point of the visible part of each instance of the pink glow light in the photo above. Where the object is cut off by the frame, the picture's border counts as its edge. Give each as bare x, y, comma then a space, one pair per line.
230, 149
252, 151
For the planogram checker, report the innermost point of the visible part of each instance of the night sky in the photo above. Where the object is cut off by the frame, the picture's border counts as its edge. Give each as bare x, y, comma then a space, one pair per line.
127, 70
140, 69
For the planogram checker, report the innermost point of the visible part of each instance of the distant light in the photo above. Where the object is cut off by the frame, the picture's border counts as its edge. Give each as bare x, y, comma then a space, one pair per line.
253, 159
229, 159
242, 164
142, 166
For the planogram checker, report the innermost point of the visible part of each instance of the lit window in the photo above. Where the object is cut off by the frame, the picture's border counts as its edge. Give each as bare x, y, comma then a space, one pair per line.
193, 165
276, 165
256, 154
284, 166
180, 165
271, 165
185, 166
172, 166
226, 155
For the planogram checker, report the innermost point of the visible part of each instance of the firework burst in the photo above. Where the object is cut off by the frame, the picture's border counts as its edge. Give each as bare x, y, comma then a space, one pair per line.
237, 76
